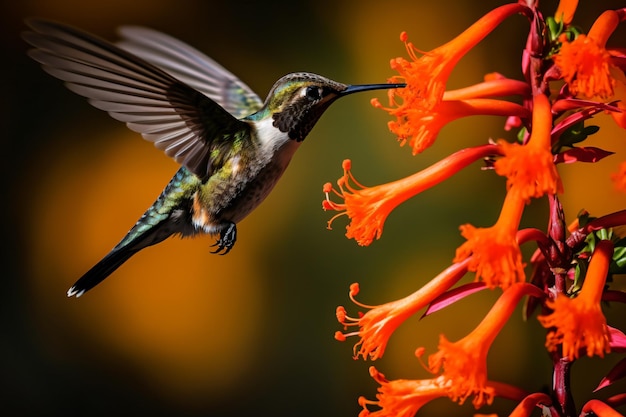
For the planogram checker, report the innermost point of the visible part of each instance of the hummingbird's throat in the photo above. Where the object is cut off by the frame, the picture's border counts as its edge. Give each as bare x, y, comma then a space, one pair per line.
298, 122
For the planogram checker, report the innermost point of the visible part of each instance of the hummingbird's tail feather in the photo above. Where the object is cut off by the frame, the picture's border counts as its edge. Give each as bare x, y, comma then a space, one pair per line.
134, 241
169, 215
101, 270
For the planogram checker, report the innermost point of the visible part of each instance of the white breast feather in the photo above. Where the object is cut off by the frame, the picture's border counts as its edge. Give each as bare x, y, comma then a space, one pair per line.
271, 138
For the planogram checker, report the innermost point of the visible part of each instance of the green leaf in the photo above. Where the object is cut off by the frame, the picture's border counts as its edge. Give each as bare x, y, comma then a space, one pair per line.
554, 28
618, 266
576, 134
521, 134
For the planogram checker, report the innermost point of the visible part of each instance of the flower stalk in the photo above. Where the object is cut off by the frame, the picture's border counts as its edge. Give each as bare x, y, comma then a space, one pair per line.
568, 78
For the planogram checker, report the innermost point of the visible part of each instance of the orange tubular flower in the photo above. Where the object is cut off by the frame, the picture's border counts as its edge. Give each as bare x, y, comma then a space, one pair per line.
530, 168
464, 362
405, 397
600, 409
619, 178
426, 76
528, 404
402, 397
565, 11
368, 207
585, 67
495, 252
495, 85
585, 63
423, 134
377, 325
578, 322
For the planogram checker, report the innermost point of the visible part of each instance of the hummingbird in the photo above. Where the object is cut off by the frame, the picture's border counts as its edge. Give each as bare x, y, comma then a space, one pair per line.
232, 146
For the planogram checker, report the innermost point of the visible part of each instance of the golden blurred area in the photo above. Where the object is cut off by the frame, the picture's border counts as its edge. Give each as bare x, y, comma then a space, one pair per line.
179, 331
165, 316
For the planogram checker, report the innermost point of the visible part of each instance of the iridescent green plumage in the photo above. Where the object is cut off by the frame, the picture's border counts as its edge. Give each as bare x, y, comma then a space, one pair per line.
233, 147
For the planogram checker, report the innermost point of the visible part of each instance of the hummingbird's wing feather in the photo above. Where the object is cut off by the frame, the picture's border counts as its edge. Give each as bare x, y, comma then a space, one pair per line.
192, 67
183, 122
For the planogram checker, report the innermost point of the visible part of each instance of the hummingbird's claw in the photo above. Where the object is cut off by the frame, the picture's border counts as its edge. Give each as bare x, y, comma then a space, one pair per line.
227, 240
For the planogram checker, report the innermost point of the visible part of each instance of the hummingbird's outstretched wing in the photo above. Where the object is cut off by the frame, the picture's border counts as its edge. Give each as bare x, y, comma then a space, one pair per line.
192, 67
186, 124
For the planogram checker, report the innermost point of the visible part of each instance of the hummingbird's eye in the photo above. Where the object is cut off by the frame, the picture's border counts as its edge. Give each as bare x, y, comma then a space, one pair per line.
314, 93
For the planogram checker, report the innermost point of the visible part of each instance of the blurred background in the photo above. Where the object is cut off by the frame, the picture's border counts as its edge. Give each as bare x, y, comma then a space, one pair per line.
178, 331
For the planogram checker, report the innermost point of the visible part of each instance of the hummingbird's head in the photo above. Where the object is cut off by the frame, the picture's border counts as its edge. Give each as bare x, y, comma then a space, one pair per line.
298, 100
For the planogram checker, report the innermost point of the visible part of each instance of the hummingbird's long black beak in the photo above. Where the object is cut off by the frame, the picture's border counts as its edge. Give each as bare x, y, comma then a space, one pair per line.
367, 87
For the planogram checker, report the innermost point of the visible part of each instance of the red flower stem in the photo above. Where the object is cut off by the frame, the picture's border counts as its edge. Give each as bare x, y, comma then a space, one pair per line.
561, 386
534, 54
557, 256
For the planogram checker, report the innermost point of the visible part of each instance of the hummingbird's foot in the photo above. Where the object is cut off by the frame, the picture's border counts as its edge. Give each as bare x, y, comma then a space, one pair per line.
228, 237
